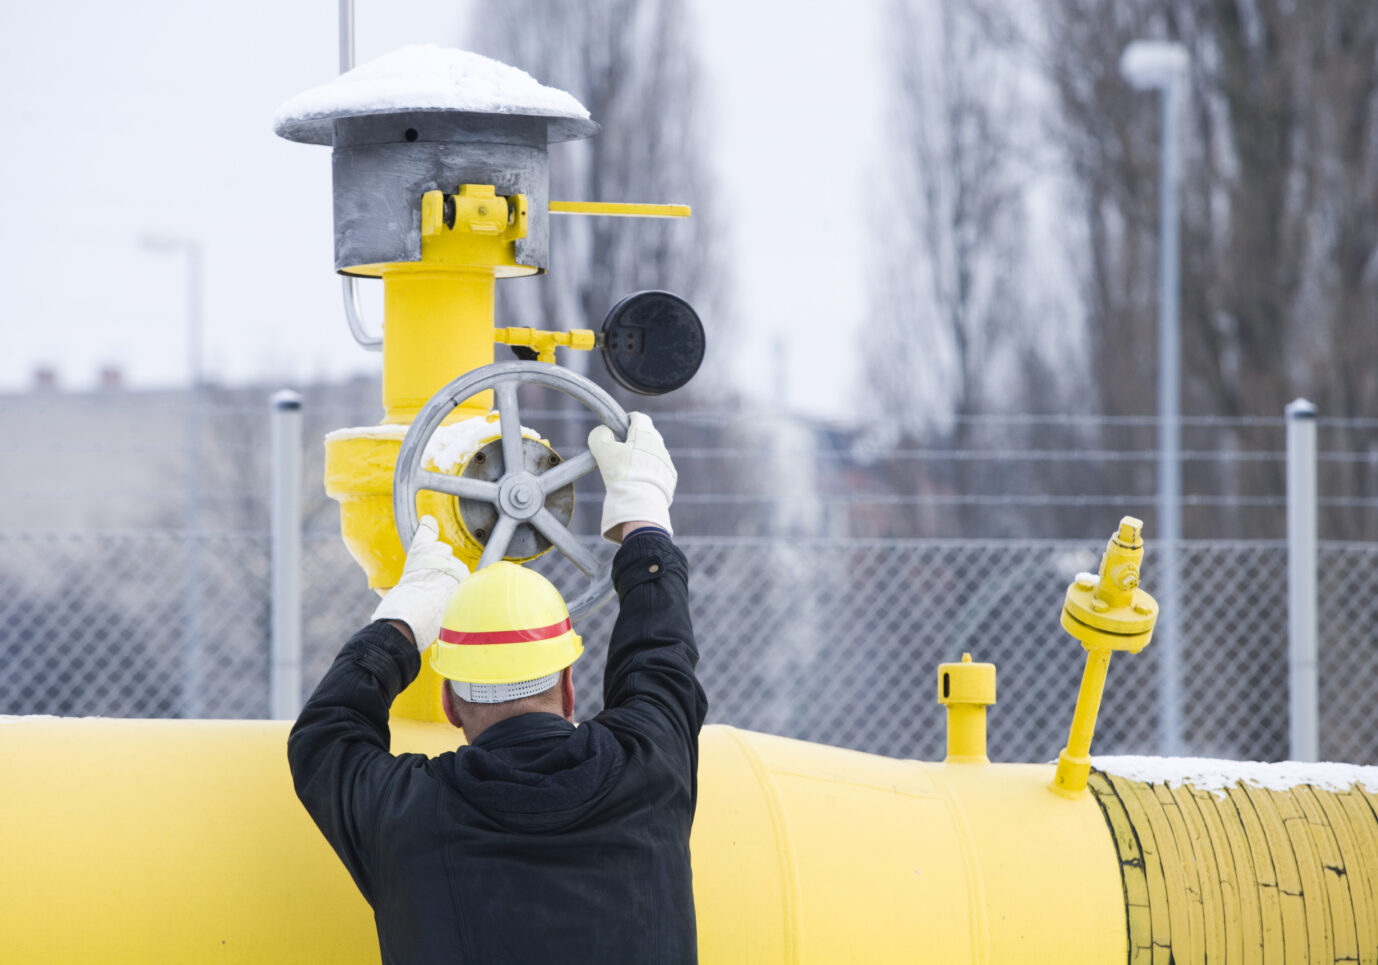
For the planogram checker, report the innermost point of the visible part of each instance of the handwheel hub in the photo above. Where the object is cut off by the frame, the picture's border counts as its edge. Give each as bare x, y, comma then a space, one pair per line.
520, 495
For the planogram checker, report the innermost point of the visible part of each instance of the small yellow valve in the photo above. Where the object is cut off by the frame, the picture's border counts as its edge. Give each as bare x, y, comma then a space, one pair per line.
1109, 611
544, 343
474, 212
1106, 613
966, 689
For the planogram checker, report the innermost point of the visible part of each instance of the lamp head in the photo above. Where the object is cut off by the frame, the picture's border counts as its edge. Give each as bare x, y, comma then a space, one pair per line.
1154, 64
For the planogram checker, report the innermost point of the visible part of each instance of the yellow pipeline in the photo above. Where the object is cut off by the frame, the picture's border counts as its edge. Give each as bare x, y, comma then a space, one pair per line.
135, 841
181, 842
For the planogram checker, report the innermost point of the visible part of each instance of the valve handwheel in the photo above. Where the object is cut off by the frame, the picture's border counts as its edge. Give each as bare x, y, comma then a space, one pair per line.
518, 495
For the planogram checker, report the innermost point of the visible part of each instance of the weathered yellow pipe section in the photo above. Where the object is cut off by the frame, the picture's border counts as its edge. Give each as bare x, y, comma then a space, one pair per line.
1245, 874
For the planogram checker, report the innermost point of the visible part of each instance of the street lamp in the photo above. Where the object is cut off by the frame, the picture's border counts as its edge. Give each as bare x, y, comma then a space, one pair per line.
191, 248
1163, 66
193, 677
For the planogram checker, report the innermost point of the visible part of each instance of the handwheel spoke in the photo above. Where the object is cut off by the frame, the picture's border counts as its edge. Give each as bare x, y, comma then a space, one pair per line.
566, 472
510, 419
565, 541
497, 543
461, 486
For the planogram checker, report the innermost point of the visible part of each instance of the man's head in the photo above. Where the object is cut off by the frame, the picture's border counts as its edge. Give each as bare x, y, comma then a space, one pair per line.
505, 648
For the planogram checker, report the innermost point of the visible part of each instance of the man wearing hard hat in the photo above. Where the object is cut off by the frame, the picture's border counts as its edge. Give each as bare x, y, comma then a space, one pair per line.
539, 840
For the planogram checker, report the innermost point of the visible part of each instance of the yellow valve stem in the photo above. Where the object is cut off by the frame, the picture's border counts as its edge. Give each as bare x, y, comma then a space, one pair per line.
621, 209
1074, 760
544, 343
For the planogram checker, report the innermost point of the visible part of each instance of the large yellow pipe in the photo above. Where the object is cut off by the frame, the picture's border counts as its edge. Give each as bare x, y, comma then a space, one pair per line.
137, 841
182, 842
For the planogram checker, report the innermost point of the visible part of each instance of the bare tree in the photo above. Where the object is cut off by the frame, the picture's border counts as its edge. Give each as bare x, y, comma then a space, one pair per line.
1280, 215
957, 329
632, 64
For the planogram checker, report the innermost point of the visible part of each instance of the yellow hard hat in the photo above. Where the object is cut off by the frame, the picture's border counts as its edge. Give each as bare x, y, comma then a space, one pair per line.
506, 634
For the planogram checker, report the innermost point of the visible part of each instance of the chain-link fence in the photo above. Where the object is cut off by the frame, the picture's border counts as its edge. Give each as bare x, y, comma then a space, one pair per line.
823, 595
832, 640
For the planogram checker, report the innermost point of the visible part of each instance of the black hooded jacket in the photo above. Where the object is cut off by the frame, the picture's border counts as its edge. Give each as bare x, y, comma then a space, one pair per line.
541, 841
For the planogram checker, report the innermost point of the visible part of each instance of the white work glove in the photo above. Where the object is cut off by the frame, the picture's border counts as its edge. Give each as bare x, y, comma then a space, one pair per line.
638, 474
430, 576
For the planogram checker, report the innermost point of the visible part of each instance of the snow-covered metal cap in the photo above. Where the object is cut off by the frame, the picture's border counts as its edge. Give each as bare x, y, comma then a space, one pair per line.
423, 78
426, 118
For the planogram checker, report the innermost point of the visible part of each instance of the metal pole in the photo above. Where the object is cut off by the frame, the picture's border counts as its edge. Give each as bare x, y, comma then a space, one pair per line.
346, 35
284, 676
193, 671
1169, 423
193, 677
1303, 699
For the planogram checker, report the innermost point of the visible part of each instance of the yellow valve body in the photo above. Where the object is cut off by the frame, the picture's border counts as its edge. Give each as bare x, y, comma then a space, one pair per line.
437, 326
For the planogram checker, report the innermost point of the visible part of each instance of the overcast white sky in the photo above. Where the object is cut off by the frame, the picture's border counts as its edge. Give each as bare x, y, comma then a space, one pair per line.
125, 120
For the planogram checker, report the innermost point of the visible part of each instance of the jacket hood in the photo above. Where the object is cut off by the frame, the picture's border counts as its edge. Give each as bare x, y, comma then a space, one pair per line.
538, 772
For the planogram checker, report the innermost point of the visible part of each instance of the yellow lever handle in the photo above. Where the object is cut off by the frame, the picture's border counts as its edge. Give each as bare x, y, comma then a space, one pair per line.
621, 209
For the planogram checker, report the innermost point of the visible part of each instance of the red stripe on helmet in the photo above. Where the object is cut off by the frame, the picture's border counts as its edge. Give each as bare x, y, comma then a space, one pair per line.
504, 636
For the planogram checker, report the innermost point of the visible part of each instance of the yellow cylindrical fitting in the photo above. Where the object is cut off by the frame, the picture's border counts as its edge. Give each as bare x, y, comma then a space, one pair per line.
1074, 760
1106, 613
966, 689
438, 325
438, 312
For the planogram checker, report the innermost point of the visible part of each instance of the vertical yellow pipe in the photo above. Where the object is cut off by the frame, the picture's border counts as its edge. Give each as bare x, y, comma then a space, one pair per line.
966, 734
1074, 760
438, 325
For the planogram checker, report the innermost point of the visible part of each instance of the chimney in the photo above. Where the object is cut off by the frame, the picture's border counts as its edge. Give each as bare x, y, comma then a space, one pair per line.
110, 379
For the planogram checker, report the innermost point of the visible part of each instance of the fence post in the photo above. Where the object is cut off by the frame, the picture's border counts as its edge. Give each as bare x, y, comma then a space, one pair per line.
1302, 677
284, 675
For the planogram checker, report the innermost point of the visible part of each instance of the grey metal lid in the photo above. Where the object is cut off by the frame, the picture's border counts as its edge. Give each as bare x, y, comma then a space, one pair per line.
426, 78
